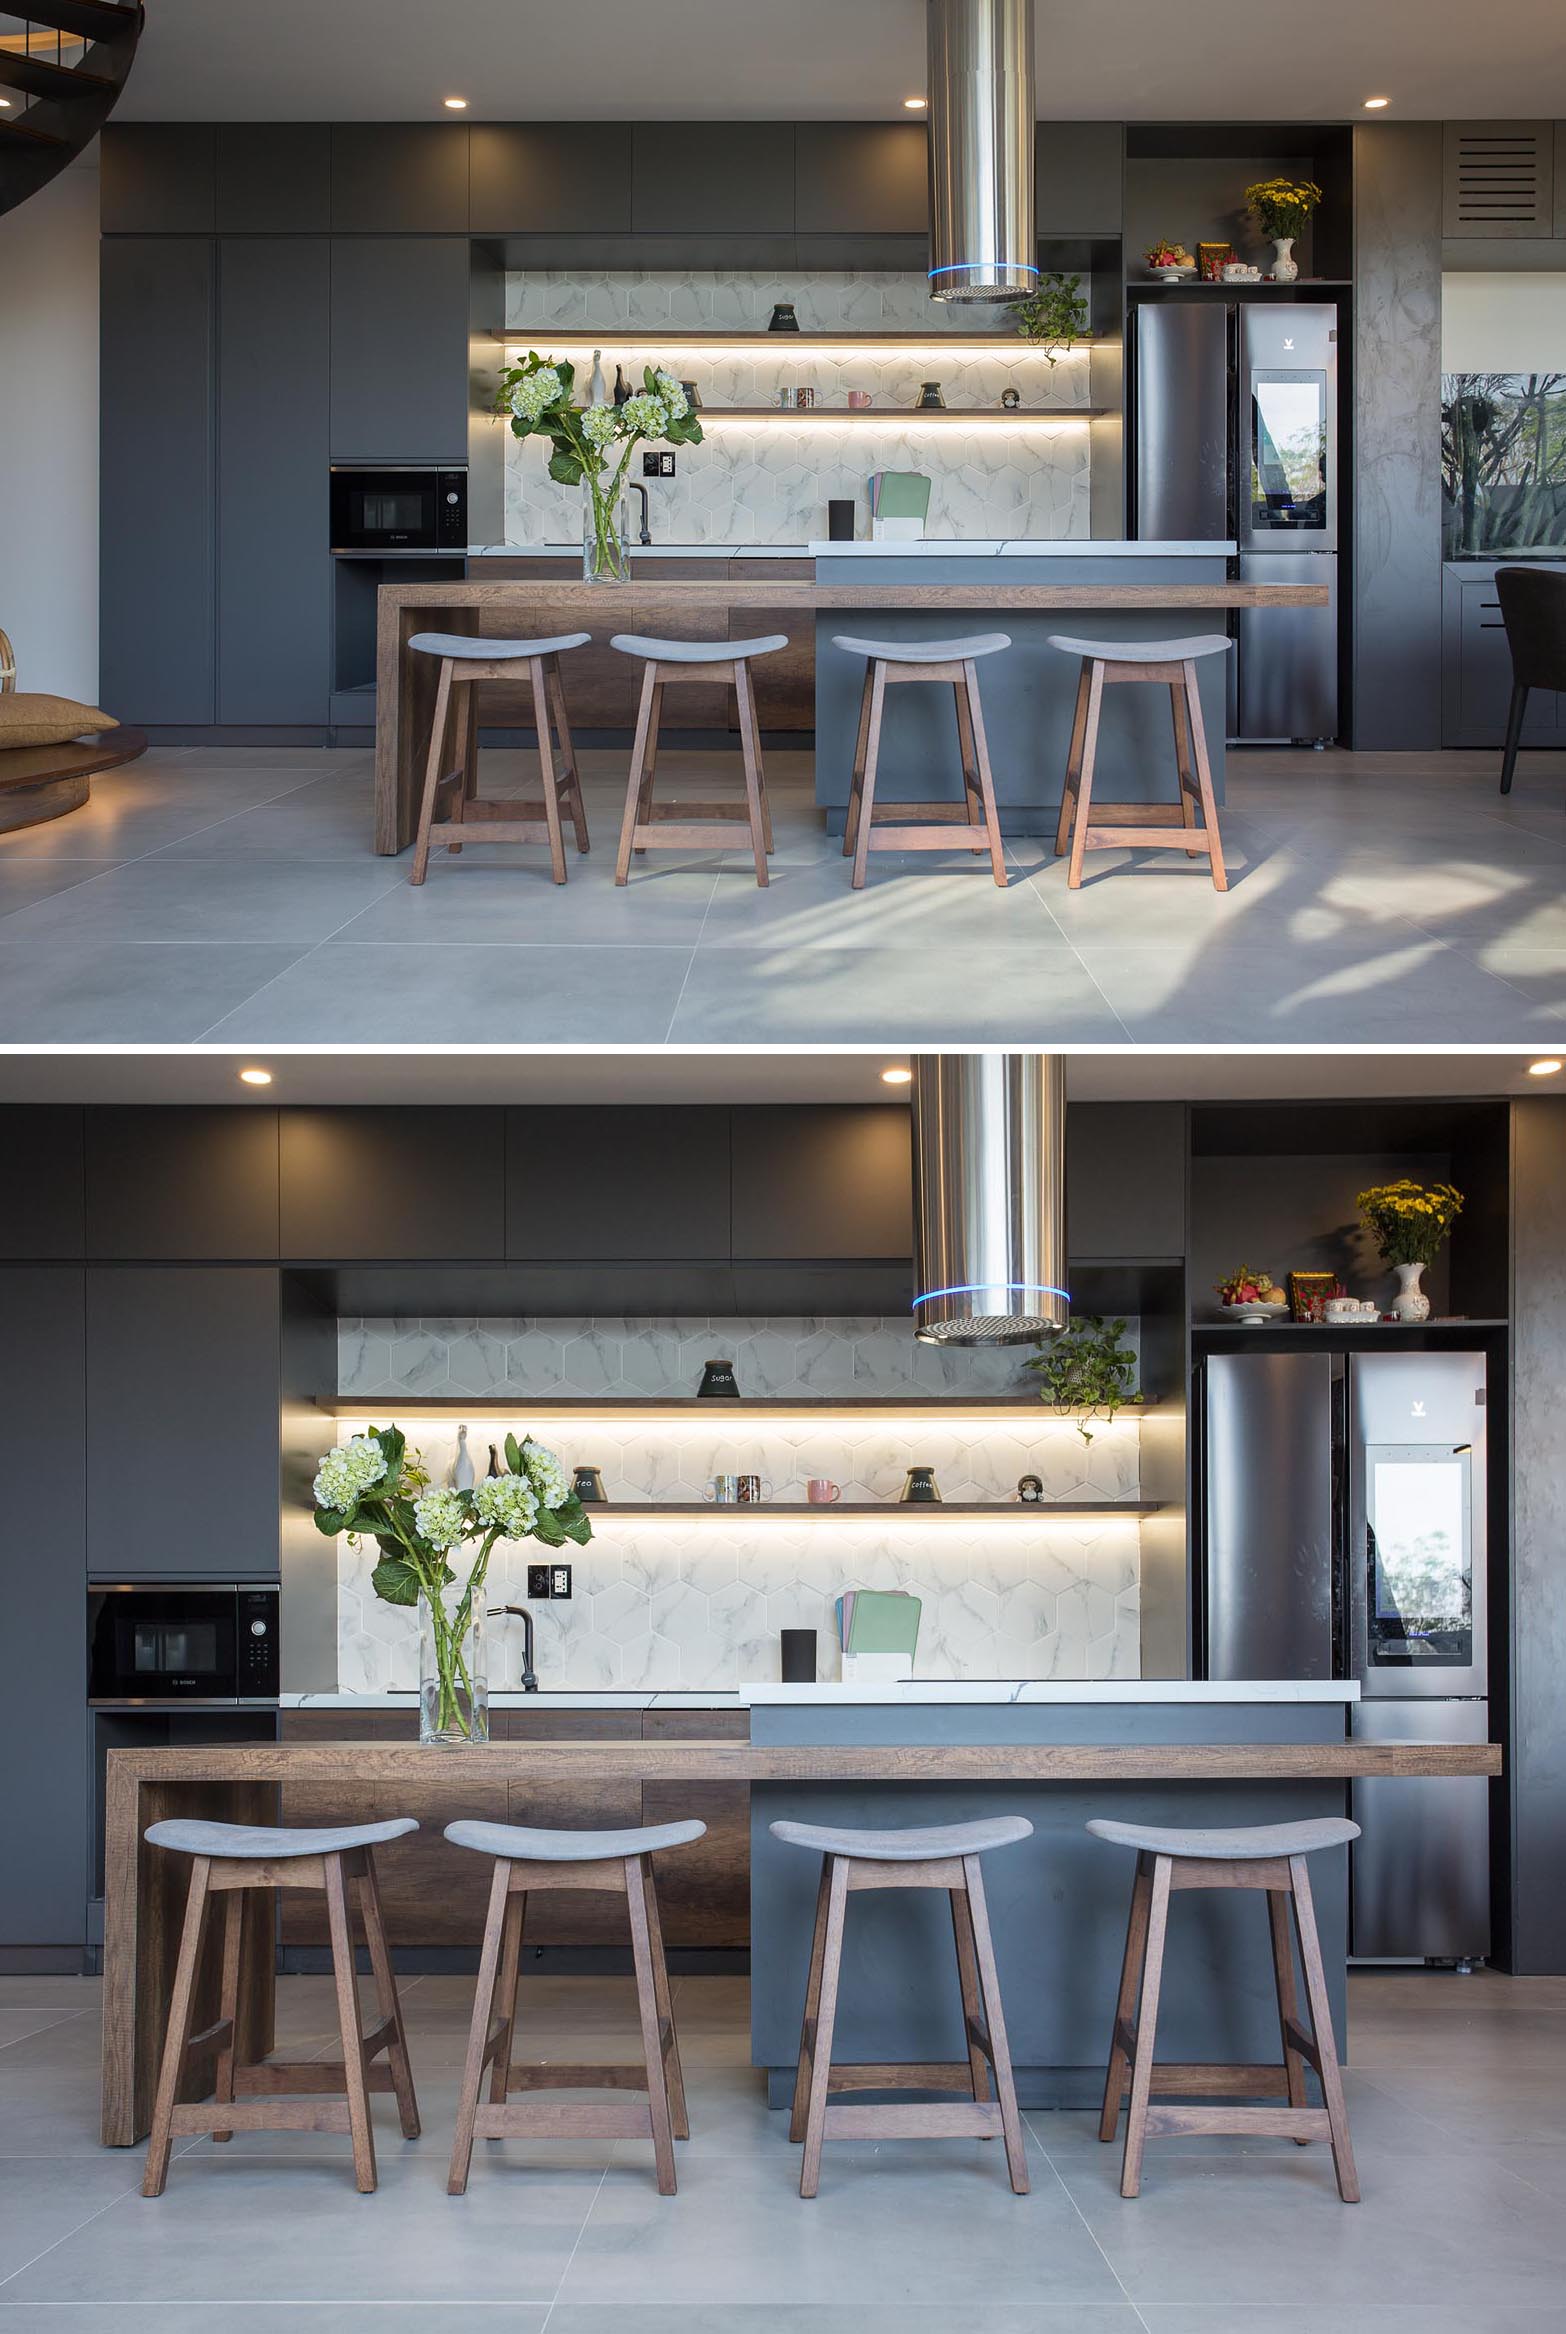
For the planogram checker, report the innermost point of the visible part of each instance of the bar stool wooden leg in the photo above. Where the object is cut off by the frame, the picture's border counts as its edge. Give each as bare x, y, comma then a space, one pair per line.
856, 775
1321, 2030
355, 2074
986, 780
386, 1996
176, 2040
826, 2017
1516, 712
745, 688
546, 768
972, 1997
1146, 2026
969, 760
1068, 792
1130, 1981
467, 767
1288, 2005
755, 781
651, 2023
506, 1997
479, 2031
1185, 775
665, 2001
1204, 778
228, 2001
807, 2024
432, 771
867, 786
995, 2028
640, 773
570, 776
650, 774
1083, 811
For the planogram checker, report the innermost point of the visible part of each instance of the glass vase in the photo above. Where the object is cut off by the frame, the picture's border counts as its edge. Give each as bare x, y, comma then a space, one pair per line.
605, 533
453, 1681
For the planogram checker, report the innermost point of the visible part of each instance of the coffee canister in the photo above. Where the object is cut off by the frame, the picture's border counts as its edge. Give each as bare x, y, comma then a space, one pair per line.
931, 395
920, 1488
588, 1484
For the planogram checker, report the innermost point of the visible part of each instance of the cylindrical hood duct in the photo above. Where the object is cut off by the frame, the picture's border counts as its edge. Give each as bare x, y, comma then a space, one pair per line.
989, 1151
982, 240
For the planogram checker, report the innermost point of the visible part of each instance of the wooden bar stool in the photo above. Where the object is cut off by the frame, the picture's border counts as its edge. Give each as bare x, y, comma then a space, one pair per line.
1267, 1856
229, 1858
1140, 825
673, 826
936, 1856
620, 1862
465, 660
923, 826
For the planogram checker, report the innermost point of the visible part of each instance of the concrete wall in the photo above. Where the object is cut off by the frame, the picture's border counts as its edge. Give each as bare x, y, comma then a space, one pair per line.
49, 427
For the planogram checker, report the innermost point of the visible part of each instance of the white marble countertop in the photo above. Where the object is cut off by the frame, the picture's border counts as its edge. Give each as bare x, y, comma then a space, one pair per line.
648, 550
1188, 1691
632, 1698
1021, 547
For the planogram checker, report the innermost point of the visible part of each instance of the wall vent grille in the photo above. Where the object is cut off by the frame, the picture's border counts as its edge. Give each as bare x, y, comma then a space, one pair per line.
1498, 178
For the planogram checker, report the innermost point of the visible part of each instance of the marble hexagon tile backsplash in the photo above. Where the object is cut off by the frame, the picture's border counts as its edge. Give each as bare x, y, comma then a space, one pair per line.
699, 1601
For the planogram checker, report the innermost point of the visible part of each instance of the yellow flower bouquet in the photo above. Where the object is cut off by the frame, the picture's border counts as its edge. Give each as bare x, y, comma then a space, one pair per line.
1410, 1220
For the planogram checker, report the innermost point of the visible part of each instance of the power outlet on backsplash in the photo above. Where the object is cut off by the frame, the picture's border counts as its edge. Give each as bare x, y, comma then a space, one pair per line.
658, 463
549, 1581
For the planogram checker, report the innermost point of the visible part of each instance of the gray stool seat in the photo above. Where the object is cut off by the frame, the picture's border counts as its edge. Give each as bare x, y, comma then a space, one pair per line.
915, 1844
520, 1844
696, 652
468, 644
1144, 652
1231, 1847
924, 652
193, 1837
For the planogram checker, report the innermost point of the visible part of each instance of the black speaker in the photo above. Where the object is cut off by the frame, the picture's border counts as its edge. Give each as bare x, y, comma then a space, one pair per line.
840, 522
799, 1657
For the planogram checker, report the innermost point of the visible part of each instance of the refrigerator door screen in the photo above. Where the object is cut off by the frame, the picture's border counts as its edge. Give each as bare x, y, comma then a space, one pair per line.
1289, 453
1419, 1551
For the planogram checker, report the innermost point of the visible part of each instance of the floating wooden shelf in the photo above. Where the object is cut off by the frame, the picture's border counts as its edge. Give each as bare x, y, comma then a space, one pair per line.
610, 336
875, 1507
898, 413
953, 1408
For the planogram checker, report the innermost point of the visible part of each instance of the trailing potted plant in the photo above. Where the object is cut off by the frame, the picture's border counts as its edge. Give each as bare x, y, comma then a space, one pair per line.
372, 1488
1088, 1371
1282, 209
1409, 1222
593, 444
1054, 314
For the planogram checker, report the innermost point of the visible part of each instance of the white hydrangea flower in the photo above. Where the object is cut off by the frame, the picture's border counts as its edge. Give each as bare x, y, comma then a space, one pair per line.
676, 402
442, 1518
509, 1501
646, 413
535, 392
599, 424
346, 1473
547, 1475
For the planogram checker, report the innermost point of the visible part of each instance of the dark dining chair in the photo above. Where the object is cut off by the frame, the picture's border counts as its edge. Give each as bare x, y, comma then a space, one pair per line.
1533, 607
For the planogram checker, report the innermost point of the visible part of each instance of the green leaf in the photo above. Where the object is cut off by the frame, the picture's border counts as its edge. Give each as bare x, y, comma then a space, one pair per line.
548, 1530
565, 469
329, 1521
395, 1581
513, 1454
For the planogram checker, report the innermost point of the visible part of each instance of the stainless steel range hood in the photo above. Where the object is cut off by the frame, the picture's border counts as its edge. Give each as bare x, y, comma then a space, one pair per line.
983, 243
989, 1148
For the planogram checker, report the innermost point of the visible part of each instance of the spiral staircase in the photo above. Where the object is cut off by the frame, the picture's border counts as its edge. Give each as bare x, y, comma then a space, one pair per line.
63, 63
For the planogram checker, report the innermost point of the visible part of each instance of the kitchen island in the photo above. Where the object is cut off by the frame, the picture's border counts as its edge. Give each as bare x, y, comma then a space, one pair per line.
1046, 1746
920, 590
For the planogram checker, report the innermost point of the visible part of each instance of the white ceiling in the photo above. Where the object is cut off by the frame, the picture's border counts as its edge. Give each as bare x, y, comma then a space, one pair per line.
1118, 60
442, 1077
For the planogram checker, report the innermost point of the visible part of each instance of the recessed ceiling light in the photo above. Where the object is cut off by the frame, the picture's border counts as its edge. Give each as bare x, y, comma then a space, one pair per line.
896, 1077
915, 104
456, 104
255, 1077
4, 101
1544, 1069
1374, 104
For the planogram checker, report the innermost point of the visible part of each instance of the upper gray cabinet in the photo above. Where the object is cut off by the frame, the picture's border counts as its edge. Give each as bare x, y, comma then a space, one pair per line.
599, 1184
274, 178
861, 178
181, 1185
1125, 1180
362, 1185
543, 178
706, 178
40, 1182
822, 1183
399, 348
157, 178
1078, 179
400, 178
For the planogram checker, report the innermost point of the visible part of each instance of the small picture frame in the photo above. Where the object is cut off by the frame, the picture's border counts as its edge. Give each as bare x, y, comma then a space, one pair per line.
1308, 1294
1212, 259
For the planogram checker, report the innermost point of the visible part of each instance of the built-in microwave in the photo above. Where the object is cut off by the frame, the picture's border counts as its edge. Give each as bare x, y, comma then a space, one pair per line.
173, 1642
398, 507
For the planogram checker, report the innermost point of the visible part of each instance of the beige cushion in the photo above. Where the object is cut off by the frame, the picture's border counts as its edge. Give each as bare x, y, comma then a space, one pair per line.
28, 718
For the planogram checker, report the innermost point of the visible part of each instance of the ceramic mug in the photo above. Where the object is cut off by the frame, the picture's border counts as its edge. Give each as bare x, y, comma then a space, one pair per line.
821, 1491
724, 1490
858, 399
753, 1489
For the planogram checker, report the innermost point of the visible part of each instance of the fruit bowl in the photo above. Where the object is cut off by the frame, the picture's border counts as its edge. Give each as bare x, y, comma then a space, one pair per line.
1254, 1310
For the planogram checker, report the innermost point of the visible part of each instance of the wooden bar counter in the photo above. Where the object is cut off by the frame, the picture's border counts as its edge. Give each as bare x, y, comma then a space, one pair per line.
516, 1780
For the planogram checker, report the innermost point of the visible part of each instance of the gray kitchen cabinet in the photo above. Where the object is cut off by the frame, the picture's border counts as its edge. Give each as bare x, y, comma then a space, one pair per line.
861, 178
44, 1839
273, 178
158, 178
1125, 1180
1476, 668
1079, 170
400, 178
183, 1408
157, 662
274, 530
834, 1181
186, 1186
693, 178
41, 1182
365, 1185
597, 1184
544, 178
399, 348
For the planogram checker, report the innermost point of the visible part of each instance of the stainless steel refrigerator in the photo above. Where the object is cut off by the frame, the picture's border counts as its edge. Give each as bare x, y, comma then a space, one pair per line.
1235, 439
1342, 1503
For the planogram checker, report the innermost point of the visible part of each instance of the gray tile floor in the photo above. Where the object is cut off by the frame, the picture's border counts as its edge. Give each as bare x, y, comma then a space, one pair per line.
231, 895
1457, 2089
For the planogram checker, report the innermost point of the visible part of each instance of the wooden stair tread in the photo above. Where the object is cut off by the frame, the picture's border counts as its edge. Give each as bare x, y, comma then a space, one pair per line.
93, 20
41, 77
34, 141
